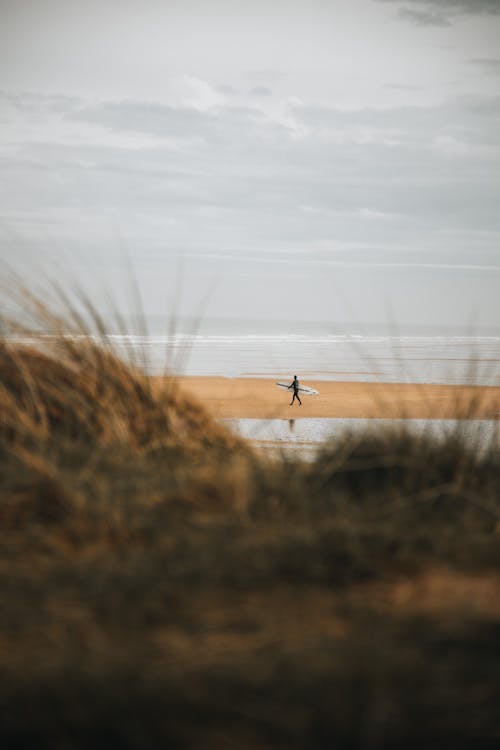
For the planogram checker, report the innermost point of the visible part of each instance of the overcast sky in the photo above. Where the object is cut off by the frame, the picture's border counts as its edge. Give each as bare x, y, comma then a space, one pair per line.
328, 159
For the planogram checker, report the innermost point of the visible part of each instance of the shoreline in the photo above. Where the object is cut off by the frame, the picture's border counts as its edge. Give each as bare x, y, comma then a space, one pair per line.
260, 398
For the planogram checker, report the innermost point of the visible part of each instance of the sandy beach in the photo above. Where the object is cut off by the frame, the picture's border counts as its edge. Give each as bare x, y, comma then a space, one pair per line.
261, 399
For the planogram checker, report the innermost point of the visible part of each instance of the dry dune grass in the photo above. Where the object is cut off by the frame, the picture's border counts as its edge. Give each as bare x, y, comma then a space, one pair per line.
164, 586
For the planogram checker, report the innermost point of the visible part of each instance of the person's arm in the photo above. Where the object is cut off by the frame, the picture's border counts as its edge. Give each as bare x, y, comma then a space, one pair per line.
290, 386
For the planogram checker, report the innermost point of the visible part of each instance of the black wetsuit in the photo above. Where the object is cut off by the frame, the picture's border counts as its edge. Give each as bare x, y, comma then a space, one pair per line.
295, 385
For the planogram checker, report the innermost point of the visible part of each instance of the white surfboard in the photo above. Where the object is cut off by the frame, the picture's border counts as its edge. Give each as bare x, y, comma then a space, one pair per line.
302, 388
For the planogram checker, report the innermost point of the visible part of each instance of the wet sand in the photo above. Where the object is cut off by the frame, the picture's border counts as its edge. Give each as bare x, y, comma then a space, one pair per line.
260, 398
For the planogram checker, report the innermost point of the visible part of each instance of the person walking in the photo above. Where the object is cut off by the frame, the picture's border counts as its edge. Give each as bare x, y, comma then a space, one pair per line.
295, 385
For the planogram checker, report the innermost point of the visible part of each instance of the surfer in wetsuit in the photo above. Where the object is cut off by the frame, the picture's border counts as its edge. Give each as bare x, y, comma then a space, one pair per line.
295, 385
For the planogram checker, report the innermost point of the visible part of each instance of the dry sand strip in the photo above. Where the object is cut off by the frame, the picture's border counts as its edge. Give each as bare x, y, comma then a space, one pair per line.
261, 399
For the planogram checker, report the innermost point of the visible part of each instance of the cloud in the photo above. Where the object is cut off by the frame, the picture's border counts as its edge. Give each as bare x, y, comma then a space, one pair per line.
443, 12
144, 117
181, 123
488, 64
403, 87
261, 91
195, 93
32, 104
424, 17
227, 89
488, 106
233, 180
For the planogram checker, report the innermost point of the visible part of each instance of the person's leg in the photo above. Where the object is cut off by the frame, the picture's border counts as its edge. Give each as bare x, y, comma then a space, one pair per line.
293, 399
298, 399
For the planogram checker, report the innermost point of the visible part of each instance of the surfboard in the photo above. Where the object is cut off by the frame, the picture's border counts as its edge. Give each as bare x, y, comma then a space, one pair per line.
302, 388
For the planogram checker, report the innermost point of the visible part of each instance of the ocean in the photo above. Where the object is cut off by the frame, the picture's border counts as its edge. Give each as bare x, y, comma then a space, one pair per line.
305, 436
315, 351
312, 350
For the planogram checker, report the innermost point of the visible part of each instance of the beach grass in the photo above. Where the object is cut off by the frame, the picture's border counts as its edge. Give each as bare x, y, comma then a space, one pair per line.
165, 585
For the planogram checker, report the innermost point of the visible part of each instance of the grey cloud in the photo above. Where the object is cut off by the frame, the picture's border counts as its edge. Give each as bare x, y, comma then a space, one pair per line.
346, 186
489, 64
243, 179
268, 74
154, 119
483, 106
225, 88
178, 122
472, 119
442, 12
424, 17
29, 103
261, 91
403, 87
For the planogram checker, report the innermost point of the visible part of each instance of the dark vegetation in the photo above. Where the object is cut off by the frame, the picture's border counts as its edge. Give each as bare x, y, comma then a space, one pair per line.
165, 586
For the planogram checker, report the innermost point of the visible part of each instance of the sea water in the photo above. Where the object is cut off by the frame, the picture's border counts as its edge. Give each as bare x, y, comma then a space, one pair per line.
305, 436
314, 351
